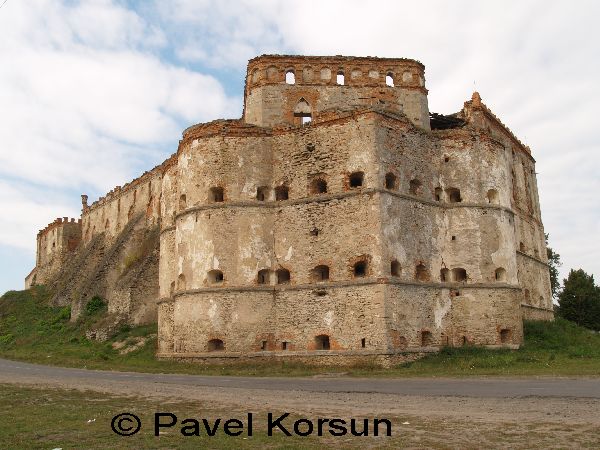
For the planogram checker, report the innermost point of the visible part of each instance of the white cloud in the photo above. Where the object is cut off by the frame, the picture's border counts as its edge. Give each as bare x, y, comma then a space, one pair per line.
88, 94
86, 101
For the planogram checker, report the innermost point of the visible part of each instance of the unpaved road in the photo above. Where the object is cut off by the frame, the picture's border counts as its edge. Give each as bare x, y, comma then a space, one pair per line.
441, 412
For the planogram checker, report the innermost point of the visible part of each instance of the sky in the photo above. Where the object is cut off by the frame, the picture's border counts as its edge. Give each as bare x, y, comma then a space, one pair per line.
93, 93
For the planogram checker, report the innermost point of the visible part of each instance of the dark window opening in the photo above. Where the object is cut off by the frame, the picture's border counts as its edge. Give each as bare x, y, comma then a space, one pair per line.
216, 345
421, 273
263, 345
521, 247
181, 282
216, 194
360, 269
310, 147
453, 195
314, 232
321, 293
318, 186
459, 274
182, 202
444, 275
391, 181
363, 343
282, 192
500, 274
284, 345
215, 277
262, 193
438, 193
453, 238
426, 339
465, 341
395, 268
356, 179
505, 336
283, 276
172, 289
446, 158
263, 276
415, 185
320, 273
493, 197
322, 342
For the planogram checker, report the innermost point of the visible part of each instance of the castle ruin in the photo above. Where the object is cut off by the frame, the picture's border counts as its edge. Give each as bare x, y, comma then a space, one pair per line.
337, 220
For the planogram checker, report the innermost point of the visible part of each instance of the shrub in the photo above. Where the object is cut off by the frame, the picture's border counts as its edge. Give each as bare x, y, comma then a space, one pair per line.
95, 305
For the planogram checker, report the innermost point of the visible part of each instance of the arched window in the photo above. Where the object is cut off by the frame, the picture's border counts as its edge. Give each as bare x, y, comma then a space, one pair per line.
453, 195
322, 342
262, 193
263, 276
415, 186
421, 272
395, 269
438, 194
360, 269
340, 78
282, 192
391, 181
493, 197
283, 276
181, 282
355, 180
215, 277
459, 274
216, 194
303, 110
172, 288
215, 345
290, 77
318, 186
500, 274
182, 202
521, 247
320, 273
389, 79
444, 275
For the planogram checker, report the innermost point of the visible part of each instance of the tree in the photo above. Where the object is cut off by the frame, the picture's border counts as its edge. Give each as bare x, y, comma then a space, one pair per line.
579, 300
554, 263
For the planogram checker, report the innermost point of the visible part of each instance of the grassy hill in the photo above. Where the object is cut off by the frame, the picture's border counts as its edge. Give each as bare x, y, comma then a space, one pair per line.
30, 330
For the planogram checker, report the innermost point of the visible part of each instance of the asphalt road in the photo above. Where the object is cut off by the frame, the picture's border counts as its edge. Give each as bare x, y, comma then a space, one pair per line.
434, 387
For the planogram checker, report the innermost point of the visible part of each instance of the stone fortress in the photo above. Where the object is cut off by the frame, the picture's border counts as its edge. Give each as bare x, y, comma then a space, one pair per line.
338, 219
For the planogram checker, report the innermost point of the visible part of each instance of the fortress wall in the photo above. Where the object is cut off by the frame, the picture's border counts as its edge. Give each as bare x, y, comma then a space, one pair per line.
55, 244
110, 214
269, 100
535, 282
452, 316
243, 320
346, 314
240, 319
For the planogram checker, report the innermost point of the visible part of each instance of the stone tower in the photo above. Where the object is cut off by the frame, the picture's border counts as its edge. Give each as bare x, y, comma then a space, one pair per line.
337, 220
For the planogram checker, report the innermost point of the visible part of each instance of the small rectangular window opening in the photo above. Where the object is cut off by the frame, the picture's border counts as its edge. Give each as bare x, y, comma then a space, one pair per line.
363, 342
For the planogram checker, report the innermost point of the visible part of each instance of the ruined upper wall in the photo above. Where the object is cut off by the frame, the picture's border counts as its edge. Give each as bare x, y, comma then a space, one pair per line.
270, 99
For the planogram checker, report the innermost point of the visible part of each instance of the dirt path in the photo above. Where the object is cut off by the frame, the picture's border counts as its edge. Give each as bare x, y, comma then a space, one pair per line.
549, 419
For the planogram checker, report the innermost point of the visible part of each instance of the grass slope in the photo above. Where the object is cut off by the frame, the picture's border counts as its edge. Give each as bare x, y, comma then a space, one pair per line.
30, 330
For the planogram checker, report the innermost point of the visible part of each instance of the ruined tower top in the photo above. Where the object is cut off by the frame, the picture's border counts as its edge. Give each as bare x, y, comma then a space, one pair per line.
283, 89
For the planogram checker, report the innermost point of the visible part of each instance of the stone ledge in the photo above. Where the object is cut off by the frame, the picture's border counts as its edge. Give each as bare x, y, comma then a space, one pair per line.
342, 284
537, 260
328, 197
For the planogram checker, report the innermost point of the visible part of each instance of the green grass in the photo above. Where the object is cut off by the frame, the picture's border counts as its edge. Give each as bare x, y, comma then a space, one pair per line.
56, 418
30, 330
